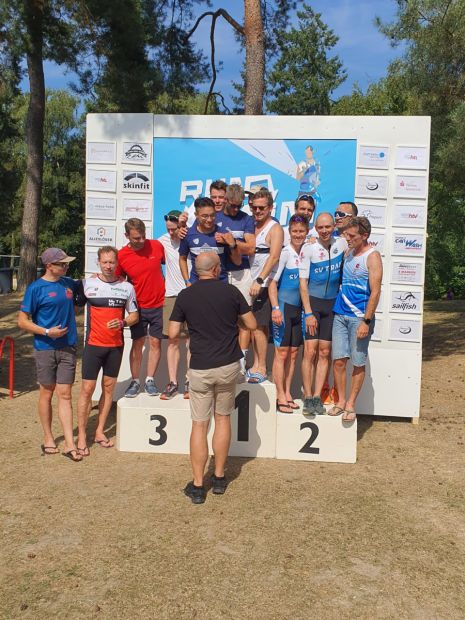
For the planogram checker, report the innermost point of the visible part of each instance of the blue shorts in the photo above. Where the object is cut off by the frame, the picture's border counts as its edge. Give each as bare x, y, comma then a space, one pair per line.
289, 333
345, 341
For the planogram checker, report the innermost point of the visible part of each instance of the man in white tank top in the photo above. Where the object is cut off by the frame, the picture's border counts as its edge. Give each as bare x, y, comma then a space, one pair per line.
263, 264
354, 313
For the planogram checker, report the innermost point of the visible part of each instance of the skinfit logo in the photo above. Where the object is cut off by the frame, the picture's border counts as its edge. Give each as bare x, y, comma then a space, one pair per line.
136, 180
136, 153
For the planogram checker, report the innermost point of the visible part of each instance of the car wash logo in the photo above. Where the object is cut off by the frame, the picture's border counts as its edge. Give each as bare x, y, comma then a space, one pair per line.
137, 182
408, 244
405, 302
136, 152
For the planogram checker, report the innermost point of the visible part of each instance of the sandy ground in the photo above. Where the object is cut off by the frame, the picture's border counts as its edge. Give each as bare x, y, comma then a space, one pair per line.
114, 537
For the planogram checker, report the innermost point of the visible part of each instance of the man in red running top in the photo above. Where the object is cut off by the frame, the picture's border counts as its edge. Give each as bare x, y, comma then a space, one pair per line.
140, 260
107, 298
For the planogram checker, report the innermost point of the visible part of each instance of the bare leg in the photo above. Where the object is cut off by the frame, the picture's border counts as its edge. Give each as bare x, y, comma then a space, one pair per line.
172, 358
154, 356
244, 338
280, 362
220, 442
135, 357
65, 413
45, 413
322, 367
358, 377
199, 450
289, 370
104, 406
83, 409
339, 372
260, 345
308, 366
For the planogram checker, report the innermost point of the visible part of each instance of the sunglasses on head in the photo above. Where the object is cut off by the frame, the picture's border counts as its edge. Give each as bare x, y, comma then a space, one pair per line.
341, 214
299, 219
171, 218
258, 208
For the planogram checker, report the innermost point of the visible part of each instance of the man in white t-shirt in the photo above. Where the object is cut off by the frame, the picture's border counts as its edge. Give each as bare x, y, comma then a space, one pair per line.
174, 284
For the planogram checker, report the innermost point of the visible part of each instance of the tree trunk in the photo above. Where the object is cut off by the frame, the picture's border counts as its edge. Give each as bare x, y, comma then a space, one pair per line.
254, 57
33, 10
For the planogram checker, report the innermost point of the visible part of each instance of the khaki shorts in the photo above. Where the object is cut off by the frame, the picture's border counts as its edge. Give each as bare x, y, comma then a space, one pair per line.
56, 366
167, 310
242, 280
212, 390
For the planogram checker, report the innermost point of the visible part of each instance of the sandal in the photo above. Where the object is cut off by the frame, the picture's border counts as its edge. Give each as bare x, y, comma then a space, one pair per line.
349, 415
84, 451
49, 450
292, 404
282, 406
256, 377
335, 411
101, 443
73, 456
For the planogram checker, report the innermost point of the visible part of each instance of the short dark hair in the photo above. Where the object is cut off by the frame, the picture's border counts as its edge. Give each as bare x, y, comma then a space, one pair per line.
134, 223
264, 193
305, 198
361, 223
299, 219
106, 249
353, 206
203, 202
218, 184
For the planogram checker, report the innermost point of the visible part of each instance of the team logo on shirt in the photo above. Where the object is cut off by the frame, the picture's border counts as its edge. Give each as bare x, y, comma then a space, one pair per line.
69, 293
52, 294
219, 224
196, 241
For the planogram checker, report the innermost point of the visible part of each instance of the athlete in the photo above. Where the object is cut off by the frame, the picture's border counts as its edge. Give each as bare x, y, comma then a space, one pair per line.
320, 277
286, 313
218, 191
305, 207
354, 314
202, 238
140, 260
344, 212
174, 285
268, 246
241, 226
308, 173
107, 299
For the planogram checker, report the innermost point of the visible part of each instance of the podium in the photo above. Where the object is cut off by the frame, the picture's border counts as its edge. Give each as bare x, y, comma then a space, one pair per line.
148, 424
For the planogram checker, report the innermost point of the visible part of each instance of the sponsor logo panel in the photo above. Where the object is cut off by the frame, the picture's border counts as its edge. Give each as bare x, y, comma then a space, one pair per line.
414, 157
408, 273
137, 153
406, 330
375, 213
408, 244
411, 216
101, 153
137, 181
100, 235
410, 186
101, 180
371, 186
406, 302
100, 207
373, 157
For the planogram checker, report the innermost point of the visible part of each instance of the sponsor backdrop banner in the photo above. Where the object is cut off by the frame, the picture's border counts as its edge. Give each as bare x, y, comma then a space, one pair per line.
183, 169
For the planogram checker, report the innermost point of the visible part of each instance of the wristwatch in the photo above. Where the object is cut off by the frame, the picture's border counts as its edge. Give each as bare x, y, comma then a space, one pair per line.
46, 331
366, 321
259, 281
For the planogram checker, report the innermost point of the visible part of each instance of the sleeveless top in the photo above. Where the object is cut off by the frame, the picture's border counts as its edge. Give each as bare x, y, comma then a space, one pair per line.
262, 251
287, 277
355, 290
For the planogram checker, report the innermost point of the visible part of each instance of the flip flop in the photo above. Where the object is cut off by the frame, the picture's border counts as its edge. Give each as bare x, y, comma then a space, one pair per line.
84, 451
335, 411
349, 415
72, 455
256, 377
45, 448
103, 441
280, 406
292, 404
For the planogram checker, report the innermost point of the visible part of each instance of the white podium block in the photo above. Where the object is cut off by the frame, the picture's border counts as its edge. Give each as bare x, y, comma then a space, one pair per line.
148, 424
319, 438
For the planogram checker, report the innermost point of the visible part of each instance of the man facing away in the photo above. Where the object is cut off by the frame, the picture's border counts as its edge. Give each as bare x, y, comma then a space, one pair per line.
47, 312
268, 245
354, 314
107, 299
140, 260
212, 310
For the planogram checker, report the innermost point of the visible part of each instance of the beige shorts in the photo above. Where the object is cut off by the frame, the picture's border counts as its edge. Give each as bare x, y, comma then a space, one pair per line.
212, 390
167, 310
243, 281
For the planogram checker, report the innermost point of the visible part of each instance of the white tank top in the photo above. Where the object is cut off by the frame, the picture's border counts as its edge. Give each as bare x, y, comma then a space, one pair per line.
262, 252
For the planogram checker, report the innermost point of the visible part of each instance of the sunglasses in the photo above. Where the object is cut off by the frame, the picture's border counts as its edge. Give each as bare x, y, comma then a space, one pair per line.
341, 214
257, 208
171, 218
62, 265
298, 219
306, 197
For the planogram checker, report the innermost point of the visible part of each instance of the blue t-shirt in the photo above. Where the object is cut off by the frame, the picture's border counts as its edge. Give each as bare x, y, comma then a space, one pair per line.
196, 242
51, 304
238, 225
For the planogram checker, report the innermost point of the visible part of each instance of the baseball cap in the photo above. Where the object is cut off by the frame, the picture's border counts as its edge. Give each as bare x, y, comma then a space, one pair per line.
55, 255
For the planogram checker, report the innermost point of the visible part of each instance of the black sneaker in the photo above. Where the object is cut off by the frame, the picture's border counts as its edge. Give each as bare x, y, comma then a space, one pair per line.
197, 494
318, 406
219, 485
170, 390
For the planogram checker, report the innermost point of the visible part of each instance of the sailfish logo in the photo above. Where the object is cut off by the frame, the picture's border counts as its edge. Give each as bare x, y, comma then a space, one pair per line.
406, 297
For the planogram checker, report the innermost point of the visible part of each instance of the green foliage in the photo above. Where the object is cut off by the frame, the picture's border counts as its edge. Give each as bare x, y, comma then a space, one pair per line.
304, 76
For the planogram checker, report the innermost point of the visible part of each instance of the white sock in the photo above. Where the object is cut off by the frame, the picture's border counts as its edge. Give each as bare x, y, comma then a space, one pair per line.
137, 381
148, 379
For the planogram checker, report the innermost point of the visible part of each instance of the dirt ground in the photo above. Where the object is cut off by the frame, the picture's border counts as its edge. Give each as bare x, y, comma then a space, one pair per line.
114, 537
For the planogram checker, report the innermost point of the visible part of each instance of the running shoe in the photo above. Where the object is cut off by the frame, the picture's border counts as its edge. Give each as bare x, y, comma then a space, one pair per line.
133, 389
308, 408
186, 390
219, 485
170, 390
197, 494
318, 406
150, 388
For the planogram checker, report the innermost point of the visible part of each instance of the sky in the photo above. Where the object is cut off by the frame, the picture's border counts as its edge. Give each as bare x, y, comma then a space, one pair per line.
364, 51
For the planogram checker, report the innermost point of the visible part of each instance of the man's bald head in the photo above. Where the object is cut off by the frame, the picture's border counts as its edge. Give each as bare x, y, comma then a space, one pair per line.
324, 218
206, 262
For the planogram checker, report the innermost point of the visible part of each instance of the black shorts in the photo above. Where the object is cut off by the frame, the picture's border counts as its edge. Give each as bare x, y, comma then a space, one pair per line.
289, 333
94, 358
151, 318
261, 308
323, 311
